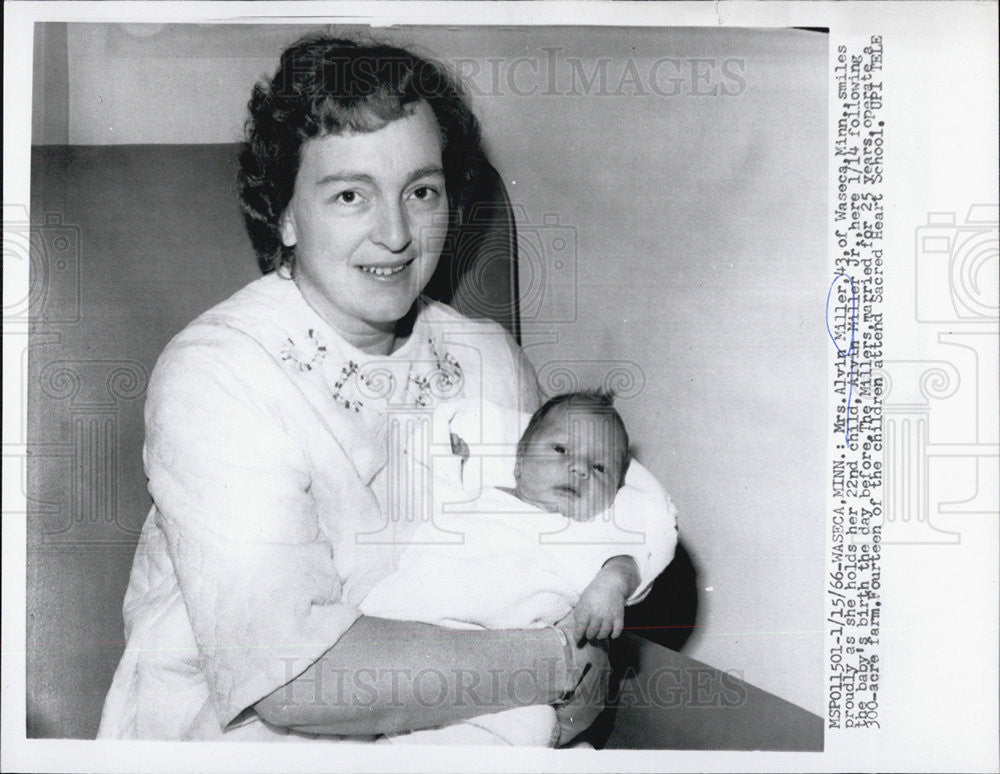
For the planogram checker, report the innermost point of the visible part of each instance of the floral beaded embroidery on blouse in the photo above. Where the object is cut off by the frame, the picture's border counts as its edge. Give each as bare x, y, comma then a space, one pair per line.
443, 381
306, 355
346, 373
441, 378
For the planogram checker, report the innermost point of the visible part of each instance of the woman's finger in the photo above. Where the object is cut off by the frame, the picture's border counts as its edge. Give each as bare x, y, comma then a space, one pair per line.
617, 629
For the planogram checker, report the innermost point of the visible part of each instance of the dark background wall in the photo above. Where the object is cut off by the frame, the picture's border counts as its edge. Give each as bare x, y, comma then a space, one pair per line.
672, 244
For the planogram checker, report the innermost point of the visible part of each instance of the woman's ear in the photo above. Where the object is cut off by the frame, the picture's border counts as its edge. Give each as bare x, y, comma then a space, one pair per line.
286, 227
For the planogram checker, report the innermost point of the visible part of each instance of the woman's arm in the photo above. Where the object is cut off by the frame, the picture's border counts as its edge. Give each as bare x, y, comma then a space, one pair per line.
232, 486
385, 676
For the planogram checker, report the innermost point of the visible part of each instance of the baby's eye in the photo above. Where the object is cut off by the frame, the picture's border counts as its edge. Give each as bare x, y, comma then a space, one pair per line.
559, 448
598, 467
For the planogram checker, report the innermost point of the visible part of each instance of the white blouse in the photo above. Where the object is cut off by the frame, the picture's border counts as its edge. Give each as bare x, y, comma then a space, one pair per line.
288, 470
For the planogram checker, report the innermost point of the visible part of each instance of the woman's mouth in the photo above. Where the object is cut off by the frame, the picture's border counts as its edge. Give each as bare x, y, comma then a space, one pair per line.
384, 272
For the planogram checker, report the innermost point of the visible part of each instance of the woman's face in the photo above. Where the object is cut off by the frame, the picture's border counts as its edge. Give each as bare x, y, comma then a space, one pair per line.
367, 218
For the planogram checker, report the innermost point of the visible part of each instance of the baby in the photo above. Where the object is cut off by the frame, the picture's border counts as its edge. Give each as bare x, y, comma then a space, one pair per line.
532, 554
572, 459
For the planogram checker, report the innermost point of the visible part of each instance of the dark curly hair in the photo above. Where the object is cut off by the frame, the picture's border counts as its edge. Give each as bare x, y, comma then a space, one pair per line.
325, 86
591, 402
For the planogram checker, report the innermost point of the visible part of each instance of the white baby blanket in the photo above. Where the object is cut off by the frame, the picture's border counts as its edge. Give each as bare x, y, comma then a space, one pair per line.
489, 560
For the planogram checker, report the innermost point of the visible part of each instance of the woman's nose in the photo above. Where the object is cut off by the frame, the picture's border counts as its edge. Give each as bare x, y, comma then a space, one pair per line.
392, 229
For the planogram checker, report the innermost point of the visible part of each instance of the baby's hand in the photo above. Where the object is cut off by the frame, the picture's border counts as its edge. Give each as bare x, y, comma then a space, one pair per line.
600, 612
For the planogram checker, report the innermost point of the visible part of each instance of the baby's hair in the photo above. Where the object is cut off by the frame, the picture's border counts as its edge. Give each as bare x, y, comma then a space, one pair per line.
592, 401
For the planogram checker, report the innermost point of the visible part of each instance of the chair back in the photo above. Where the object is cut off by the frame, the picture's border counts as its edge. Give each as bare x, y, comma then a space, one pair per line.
478, 270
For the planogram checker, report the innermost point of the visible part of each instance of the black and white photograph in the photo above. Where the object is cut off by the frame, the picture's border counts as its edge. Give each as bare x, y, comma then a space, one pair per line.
577, 385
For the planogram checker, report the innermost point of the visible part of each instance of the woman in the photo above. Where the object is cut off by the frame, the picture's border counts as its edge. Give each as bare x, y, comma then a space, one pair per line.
283, 444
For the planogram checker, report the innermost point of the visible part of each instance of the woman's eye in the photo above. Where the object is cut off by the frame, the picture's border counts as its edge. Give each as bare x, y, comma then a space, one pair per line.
349, 197
425, 193
559, 448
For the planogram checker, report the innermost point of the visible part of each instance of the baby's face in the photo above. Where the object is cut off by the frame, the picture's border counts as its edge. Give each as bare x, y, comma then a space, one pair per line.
572, 464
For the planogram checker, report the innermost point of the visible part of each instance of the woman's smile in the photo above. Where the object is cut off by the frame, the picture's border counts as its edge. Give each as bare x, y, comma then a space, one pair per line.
387, 272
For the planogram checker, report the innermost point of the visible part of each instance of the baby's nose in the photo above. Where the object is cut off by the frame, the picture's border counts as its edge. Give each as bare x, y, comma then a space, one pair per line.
579, 469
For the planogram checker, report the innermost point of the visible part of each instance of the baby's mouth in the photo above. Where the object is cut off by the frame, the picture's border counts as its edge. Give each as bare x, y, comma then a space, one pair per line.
566, 489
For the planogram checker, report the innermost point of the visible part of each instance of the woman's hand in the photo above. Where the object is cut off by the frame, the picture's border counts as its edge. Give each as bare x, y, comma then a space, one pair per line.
591, 672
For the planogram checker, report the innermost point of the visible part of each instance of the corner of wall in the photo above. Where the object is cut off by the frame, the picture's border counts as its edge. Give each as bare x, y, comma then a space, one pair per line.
50, 85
